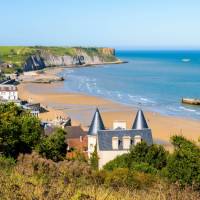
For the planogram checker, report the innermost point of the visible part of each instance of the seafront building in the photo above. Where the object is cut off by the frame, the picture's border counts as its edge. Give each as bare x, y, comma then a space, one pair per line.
8, 92
115, 142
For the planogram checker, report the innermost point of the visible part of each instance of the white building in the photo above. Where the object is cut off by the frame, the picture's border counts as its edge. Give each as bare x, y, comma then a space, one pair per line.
8, 92
112, 143
96, 125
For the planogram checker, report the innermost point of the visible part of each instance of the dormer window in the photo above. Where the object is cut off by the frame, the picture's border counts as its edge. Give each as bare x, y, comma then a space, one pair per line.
115, 143
137, 139
119, 125
126, 142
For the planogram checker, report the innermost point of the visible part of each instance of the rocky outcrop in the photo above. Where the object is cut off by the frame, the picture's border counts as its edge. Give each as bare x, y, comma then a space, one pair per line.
34, 62
81, 56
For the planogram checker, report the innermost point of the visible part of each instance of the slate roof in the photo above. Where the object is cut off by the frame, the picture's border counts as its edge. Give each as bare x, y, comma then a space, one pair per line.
140, 121
105, 138
97, 124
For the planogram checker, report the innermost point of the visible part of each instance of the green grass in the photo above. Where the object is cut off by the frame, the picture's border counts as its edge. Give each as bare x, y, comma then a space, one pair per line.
17, 55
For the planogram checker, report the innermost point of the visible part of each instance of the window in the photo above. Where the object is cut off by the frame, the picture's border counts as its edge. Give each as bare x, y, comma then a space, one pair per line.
126, 142
115, 142
119, 125
137, 139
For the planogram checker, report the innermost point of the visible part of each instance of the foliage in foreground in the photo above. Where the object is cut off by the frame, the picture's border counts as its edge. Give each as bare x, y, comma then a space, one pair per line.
94, 160
34, 177
142, 157
182, 166
53, 146
19, 131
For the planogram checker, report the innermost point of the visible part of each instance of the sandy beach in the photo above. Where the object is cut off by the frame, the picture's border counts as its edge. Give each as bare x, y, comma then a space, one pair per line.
81, 108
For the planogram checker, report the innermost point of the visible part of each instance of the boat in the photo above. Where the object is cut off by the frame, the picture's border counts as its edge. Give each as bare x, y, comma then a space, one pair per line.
185, 60
191, 101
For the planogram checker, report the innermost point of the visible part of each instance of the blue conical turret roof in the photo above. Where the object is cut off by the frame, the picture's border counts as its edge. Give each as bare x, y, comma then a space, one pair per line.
140, 121
96, 124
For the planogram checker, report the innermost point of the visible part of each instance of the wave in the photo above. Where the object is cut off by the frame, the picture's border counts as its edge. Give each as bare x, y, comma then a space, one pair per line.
187, 109
100, 85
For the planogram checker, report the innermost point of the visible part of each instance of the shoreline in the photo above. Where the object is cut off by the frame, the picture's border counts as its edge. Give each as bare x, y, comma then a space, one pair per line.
49, 75
80, 108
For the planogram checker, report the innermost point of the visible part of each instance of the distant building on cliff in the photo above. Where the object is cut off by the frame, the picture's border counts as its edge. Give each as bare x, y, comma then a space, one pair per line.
8, 92
115, 142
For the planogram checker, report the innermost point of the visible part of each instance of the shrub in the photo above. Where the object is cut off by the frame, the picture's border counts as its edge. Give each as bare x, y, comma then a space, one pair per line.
142, 158
123, 177
6, 163
184, 164
119, 162
54, 146
94, 160
144, 167
34, 164
154, 155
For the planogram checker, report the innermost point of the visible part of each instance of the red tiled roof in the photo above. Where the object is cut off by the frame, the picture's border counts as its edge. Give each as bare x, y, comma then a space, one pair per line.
77, 143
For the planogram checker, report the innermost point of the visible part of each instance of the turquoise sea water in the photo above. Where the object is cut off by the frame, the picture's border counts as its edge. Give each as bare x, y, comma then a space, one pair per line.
153, 80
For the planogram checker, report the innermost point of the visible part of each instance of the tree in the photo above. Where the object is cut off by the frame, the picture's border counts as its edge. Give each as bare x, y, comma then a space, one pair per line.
94, 160
53, 146
141, 158
184, 164
153, 155
30, 131
19, 131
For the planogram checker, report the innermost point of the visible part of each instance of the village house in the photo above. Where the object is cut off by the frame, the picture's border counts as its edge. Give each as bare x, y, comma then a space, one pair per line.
8, 92
115, 142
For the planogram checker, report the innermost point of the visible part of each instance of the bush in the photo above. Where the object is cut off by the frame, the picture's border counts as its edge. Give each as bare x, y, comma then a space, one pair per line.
54, 146
142, 158
119, 162
144, 167
128, 178
6, 163
94, 160
154, 155
184, 164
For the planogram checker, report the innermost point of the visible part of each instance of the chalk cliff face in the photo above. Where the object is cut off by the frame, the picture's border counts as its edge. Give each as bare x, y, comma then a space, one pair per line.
80, 56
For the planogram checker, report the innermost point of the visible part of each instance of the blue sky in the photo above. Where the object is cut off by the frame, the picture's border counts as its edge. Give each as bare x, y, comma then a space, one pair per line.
133, 24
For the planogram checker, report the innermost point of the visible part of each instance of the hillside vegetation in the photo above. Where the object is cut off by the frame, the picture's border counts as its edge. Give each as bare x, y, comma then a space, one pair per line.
17, 55
35, 166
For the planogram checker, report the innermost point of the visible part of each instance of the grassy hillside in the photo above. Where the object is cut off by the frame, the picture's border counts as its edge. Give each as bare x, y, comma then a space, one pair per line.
16, 55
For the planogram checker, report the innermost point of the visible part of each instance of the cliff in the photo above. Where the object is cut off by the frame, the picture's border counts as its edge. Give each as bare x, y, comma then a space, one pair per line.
76, 56
38, 57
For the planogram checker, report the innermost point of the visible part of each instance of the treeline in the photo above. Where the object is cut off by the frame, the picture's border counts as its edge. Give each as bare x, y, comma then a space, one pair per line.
20, 132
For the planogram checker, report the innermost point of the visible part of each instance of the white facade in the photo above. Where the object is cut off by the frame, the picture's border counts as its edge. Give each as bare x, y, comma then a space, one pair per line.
106, 156
8, 92
92, 141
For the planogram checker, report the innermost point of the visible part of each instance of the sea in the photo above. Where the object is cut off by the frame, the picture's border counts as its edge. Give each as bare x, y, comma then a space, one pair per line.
155, 81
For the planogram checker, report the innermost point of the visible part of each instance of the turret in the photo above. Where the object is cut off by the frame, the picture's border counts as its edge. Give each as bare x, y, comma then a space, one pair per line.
96, 124
140, 121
